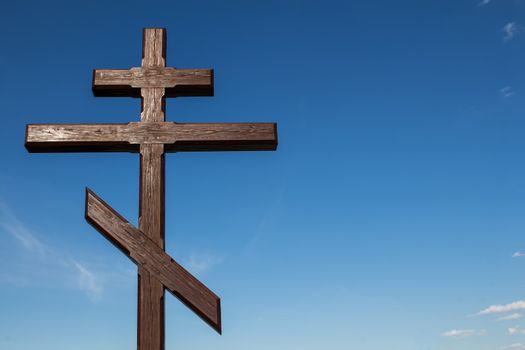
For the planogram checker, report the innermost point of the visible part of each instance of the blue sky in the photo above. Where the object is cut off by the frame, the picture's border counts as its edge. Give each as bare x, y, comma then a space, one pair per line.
391, 217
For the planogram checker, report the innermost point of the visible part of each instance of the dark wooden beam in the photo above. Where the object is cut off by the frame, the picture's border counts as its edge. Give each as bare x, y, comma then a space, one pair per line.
77, 138
146, 253
128, 82
153, 74
150, 306
177, 137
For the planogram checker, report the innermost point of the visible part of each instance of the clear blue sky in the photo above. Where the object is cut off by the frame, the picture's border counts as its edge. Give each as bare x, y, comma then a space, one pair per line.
387, 219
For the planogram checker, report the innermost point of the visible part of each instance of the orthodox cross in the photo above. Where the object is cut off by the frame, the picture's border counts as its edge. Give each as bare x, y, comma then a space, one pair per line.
152, 137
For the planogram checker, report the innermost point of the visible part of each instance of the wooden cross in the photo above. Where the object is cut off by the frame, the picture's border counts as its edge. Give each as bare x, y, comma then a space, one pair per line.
152, 137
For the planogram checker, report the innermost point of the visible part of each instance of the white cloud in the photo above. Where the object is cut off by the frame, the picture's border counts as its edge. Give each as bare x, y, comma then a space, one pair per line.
510, 30
463, 333
88, 282
484, 2
10, 224
514, 346
518, 255
507, 91
45, 261
513, 316
494, 309
515, 330
200, 263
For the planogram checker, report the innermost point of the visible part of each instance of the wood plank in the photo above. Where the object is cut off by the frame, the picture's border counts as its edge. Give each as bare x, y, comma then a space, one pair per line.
77, 138
177, 82
193, 137
154, 47
151, 222
150, 311
177, 137
150, 327
153, 74
153, 105
145, 252
151, 192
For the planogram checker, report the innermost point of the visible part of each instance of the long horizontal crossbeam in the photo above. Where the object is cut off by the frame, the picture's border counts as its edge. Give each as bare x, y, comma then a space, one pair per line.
146, 253
128, 137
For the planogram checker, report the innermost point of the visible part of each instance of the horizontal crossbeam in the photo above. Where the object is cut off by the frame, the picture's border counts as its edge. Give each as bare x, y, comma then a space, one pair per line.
147, 254
128, 137
177, 82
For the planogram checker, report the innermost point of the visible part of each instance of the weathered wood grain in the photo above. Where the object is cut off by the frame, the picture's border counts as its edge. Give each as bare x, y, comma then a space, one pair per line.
177, 82
151, 222
150, 322
154, 47
151, 192
153, 74
153, 105
177, 137
150, 326
146, 253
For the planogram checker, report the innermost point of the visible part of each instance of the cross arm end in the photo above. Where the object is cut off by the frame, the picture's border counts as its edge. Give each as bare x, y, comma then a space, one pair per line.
52, 138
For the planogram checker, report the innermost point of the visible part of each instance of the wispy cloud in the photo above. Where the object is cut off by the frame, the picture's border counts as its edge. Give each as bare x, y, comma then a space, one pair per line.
463, 333
483, 2
88, 282
510, 30
514, 346
513, 316
11, 225
200, 263
495, 309
507, 91
518, 255
45, 260
515, 330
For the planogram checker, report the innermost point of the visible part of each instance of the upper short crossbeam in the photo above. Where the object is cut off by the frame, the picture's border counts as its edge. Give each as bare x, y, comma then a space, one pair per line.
153, 73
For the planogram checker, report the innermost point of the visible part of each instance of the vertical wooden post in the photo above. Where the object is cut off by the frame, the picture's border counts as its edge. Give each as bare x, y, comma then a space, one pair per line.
150, 327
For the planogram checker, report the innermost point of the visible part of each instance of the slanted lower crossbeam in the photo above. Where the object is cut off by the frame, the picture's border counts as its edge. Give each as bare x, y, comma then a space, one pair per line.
144, 252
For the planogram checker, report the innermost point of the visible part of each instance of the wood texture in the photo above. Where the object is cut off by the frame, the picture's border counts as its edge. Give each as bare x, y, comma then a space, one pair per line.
146, 253
154, 47
177, 82
151, 221
153, 74
177, 137
150, 325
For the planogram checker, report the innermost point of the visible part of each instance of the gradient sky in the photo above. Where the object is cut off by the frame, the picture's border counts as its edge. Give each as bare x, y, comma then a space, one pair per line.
391, 217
